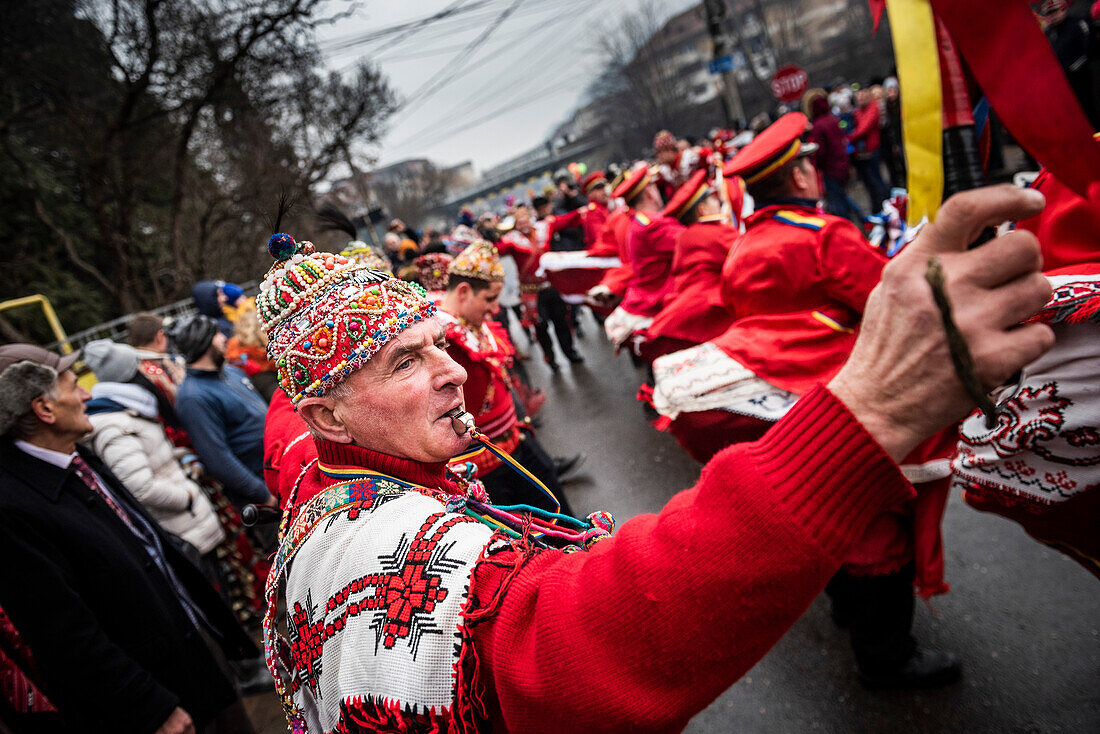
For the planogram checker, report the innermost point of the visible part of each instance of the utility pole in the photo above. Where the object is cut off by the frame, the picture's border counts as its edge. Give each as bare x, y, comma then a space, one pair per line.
731, 97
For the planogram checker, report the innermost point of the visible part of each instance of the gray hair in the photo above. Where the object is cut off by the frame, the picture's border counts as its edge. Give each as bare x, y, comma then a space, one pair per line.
20, 384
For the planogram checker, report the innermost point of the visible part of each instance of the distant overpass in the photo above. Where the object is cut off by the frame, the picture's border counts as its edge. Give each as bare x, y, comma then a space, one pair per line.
526, 173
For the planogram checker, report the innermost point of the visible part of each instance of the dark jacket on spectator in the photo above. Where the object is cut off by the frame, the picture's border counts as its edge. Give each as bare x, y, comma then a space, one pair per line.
112, 645
831, 157
224, 418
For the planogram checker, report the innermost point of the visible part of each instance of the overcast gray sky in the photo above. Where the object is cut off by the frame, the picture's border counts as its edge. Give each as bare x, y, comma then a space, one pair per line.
520, 80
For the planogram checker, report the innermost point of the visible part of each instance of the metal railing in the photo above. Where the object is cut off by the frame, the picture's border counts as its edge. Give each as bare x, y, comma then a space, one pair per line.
115, 329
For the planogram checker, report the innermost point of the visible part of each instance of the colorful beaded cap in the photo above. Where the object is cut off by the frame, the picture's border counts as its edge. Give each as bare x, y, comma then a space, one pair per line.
325, 315
480, 261
366, 256
431, 270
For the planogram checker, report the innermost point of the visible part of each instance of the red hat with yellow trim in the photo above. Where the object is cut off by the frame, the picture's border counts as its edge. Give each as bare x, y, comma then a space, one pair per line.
688, 195
770, 150
592, 180
634, 182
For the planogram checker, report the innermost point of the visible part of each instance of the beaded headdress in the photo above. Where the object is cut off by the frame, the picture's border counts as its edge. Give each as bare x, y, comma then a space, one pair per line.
325, 315
366, 256
479, 261
431, 270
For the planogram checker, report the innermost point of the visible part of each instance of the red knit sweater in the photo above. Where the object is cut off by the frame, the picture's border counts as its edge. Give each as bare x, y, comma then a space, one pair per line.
647, 628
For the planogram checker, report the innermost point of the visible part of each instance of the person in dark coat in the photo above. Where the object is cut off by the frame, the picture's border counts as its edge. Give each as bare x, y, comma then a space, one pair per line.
831, 157
126, 634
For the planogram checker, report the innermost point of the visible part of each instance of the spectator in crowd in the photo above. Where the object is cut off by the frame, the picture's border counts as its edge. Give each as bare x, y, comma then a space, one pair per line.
221, 412
248, 350
125, 632
129, 439
392, 242
893, 151
145, 333
831, 157
865, 140
567, 199
218, 300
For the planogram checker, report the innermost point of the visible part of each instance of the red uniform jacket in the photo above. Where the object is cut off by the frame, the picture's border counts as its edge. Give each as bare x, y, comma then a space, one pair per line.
590, 217
865, 137
651, 243
796, 282
693, 311
524, 248
612, 243
687, 599
288, 447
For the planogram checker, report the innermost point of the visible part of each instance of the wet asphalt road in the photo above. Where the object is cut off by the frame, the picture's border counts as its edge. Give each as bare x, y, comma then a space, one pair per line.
1024, 620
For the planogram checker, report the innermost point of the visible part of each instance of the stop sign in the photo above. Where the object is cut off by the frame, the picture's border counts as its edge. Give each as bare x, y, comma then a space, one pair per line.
790, 83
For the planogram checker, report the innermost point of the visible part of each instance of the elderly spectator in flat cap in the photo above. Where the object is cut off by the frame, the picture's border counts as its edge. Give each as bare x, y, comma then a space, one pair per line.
121, 625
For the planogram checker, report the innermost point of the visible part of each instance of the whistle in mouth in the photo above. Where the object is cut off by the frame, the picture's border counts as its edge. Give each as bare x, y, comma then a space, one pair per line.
461, 421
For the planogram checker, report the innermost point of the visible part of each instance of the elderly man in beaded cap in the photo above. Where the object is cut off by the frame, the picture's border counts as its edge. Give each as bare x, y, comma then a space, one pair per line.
413, 603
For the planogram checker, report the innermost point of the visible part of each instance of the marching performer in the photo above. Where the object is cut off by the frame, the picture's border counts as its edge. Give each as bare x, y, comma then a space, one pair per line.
693, 311
481, 346
796, 284
650, 244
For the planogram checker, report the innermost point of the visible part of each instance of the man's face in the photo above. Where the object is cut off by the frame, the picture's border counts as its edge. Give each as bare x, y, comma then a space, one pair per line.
598, 195
811, 188
543, 211
398, 401
667, 156
160, 342
67, 408
477, 307
217, 349
863, 97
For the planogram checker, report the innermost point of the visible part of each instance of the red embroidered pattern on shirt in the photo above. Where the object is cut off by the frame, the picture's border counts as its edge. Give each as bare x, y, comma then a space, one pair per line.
401, 599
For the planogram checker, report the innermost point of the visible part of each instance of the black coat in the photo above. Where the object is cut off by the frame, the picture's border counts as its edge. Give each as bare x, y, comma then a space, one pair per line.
112, 645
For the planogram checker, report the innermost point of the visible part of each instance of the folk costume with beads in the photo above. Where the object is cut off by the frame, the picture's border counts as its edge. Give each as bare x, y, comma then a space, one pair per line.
353, 575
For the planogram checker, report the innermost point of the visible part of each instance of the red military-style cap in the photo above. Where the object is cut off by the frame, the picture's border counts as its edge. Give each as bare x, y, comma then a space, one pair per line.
592, 180
634, 182
688, 195
771, 149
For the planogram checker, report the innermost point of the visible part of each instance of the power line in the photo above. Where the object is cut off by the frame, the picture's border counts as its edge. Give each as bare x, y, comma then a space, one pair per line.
512, 104
472, 99
336, 45
450, 70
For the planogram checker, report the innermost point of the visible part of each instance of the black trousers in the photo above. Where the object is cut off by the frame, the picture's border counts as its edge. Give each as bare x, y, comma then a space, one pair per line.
508, 487
553, 310
878, 611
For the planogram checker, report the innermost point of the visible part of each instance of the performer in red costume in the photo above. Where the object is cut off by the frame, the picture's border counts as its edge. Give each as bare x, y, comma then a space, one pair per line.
693, 312
590, 217
650, 244
796, 284
482, 347
413, 603
611, 242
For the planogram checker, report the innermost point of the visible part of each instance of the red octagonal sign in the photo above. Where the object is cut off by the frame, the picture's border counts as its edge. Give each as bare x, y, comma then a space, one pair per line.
790, 83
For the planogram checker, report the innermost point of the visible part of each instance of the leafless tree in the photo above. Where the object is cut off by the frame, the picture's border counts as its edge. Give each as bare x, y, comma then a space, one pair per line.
411, 193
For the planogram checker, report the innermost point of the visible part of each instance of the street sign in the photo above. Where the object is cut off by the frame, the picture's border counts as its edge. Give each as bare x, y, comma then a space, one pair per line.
720, 64
790, 83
